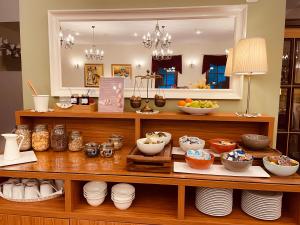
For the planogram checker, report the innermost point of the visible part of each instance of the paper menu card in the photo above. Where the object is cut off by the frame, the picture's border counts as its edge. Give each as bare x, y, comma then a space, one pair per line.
111, 94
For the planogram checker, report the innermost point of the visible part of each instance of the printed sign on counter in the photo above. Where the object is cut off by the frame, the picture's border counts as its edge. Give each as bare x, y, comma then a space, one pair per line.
111, 94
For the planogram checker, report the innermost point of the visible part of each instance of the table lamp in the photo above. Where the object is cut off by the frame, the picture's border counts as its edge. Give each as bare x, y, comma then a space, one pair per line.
249, 59
228, 68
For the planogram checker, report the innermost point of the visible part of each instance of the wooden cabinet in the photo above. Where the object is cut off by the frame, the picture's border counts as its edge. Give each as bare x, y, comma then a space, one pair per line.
31, 220
95, 222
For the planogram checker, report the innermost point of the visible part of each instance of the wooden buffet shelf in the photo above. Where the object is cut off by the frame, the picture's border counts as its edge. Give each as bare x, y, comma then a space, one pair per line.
160, 198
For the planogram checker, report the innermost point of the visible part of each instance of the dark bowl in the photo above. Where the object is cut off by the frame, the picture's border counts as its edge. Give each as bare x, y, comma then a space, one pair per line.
135, 103
236, 166
160, 102
255, 141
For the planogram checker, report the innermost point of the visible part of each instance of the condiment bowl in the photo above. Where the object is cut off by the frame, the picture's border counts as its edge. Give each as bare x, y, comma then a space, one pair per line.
191, 146
200, 164
235, 166
280, 170
220, 145
166, 137
255, 141
149, 149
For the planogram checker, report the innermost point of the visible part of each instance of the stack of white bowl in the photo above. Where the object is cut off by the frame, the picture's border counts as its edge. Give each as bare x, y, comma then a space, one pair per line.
122, 195
95, 192
214, 201
262, 204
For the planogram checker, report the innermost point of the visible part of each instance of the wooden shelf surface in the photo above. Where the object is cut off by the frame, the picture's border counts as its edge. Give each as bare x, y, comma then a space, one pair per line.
159, 116
76, 166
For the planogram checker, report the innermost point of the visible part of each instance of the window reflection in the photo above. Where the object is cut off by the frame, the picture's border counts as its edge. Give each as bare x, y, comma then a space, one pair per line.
286, 61
283, 116
296, 110
297, 62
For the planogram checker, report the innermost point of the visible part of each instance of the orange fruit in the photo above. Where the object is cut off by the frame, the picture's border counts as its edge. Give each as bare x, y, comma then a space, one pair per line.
188, 100
181, 103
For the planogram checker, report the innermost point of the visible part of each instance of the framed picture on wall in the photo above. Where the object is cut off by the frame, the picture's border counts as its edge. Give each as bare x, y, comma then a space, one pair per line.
121, 70
92, 74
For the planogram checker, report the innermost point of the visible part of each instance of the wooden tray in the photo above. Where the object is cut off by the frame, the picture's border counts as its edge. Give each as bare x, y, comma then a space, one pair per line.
160, 163
259, 154
78, 108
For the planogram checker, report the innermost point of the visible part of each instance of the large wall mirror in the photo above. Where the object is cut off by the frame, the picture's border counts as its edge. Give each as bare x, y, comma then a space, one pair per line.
184, 47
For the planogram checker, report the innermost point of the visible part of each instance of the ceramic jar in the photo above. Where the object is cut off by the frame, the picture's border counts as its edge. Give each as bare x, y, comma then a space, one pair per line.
106, 150
116, 141
40, 137
91, 149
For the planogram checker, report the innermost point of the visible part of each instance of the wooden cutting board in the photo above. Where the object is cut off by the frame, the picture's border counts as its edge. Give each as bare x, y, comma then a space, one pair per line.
160, 163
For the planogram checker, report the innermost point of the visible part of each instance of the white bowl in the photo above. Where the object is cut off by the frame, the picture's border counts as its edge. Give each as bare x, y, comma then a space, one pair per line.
95, 186
95, 202
100, 195
149, 149
122, 198
123, 189
279, 170
122, 205
197, 111
166, 139
187, 146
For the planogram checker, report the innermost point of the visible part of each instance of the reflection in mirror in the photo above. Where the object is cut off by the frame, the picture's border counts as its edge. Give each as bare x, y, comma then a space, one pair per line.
187, 53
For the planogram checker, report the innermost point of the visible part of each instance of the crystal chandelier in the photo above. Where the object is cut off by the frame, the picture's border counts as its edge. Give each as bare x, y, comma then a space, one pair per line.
9, 49
161, 54
66, 42
160, 40
94, 53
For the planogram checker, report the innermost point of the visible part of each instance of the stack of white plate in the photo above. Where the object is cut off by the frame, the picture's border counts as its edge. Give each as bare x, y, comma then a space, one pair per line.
122, 195
214, 201
262, 204
95, 192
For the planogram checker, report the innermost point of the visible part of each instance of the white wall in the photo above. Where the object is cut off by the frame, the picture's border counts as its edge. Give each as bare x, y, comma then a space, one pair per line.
137, 54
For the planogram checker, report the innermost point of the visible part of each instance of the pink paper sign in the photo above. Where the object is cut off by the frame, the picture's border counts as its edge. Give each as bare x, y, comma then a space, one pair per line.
111, 94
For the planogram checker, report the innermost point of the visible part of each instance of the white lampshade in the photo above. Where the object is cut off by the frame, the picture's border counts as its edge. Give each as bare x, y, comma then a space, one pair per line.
228, 68
250, 57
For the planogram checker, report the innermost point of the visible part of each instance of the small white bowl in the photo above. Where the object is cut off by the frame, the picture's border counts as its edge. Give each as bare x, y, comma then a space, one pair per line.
187, 146
95, 202
149, 149
122, 198
122, 205
123, 189
278, 169
165, 139
95, 186
100, 195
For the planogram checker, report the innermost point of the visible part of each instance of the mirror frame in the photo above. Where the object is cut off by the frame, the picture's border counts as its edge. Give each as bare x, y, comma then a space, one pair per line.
238, 12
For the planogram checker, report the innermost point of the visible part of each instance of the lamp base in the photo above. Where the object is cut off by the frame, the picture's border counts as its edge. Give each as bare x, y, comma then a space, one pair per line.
248, 114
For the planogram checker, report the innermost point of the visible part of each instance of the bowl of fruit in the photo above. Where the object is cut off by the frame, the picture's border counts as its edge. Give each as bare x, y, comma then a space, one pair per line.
197, 107
162, 136
236, 160
281, 165
220, 145
199, 159
191, 143
150, 146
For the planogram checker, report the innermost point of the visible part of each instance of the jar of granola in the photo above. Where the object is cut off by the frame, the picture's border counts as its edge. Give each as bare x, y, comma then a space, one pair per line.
75, 141
59, 139
40, 137
23, 129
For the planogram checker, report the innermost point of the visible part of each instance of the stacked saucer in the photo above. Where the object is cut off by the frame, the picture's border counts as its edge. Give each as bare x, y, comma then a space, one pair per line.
262, 204
95, 192
122, 195
214, 201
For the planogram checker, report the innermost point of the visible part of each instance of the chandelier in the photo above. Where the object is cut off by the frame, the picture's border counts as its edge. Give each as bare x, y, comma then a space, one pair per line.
9, 49
160, 41
94, 53
161, 54
66, 42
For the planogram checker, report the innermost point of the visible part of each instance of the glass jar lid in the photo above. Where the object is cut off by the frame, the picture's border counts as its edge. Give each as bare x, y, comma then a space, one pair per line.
23, 126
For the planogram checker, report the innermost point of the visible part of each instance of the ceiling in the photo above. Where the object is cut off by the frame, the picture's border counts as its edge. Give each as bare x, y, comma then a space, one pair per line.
122, 32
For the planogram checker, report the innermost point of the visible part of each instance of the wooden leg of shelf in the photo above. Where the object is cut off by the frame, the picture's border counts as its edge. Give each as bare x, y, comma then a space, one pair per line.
137, 128
71, 194
181, 202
